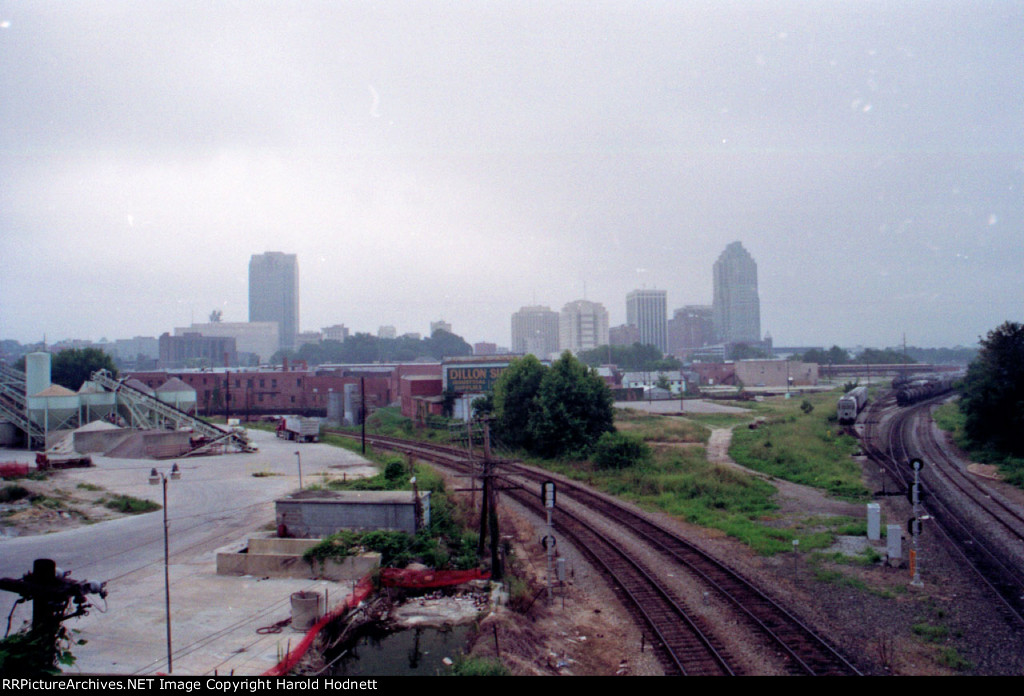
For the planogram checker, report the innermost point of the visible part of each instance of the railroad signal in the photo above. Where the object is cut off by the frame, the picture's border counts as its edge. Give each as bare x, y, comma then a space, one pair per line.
916, 464
547, 494
914, 526
915, 493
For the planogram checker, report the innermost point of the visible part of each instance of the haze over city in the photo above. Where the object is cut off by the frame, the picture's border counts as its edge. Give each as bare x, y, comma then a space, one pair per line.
460, 160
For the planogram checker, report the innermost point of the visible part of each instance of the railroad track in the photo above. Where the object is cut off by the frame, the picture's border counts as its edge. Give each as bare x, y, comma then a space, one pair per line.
687, 644
984, 530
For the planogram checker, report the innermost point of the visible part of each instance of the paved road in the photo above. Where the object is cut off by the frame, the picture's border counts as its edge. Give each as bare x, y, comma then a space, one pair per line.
218, 501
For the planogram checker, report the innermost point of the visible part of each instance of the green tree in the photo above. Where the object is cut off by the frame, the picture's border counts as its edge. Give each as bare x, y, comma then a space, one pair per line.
889, 356
573, 408
992, 398
635, 357
443, 344
744, 351
70, 368
833, 356
514, 393
483, 406
448, 402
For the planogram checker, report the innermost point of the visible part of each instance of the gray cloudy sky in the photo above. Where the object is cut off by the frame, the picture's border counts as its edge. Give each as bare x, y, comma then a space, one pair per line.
459, 160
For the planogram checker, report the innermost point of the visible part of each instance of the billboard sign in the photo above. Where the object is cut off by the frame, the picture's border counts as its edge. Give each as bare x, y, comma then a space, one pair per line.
472, 379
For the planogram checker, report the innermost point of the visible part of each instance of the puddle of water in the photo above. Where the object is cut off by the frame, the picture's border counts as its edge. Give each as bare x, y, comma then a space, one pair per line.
415, 651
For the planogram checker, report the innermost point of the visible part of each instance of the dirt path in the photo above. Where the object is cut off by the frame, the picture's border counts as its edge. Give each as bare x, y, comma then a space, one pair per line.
793, 498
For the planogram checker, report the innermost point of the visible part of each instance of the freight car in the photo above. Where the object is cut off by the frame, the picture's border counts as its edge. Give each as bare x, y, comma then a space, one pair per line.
851, 404
922, 389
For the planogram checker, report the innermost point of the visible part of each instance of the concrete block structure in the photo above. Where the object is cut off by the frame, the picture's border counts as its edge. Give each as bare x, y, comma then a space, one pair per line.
776, 373
313, 514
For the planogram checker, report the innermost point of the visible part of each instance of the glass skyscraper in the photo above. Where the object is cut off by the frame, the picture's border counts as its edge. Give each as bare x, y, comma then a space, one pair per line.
274, 293
736, 307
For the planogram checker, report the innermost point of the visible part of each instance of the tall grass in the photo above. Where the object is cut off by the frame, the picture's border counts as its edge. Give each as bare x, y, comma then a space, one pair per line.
949, 417
806, 448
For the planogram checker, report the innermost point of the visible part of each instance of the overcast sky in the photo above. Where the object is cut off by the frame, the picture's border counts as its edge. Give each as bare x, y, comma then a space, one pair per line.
458, 160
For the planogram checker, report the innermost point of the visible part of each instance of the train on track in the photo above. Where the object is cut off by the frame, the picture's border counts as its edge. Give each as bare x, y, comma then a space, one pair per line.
925, 388
851, 404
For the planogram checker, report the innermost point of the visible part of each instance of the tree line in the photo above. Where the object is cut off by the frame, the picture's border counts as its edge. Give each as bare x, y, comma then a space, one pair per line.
367, 348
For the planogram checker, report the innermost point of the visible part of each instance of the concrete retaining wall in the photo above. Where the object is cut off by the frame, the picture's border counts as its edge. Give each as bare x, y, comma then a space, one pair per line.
322, 513
282, 558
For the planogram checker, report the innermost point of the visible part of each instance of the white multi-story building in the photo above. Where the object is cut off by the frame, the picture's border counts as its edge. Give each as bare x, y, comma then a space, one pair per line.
441, 325
647, 310
338, 332
582, 325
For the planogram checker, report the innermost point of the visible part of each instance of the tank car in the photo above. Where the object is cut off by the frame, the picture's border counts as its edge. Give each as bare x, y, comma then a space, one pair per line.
919, 390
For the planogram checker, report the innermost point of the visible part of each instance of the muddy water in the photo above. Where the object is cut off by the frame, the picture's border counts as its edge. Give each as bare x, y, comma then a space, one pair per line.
411, 652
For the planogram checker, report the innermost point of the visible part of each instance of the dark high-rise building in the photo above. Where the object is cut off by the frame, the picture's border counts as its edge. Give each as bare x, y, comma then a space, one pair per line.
736, 308
274, 293
690, 327
647, 310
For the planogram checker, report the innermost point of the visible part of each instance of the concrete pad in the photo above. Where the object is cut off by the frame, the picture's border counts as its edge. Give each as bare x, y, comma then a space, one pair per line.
214, 623
214, 618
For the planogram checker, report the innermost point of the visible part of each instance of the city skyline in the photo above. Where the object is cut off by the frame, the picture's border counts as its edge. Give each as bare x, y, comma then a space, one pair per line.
870, 157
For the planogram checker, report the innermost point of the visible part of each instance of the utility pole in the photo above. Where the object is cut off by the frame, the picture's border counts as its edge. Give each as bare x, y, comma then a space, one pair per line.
488, 509
51, 595
362, 408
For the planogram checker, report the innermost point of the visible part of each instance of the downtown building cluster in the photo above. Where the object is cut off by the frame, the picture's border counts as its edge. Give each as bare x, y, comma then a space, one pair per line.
712, 330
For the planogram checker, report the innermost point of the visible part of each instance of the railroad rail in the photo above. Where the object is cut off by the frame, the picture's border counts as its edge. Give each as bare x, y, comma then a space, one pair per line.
984, 530
690, 651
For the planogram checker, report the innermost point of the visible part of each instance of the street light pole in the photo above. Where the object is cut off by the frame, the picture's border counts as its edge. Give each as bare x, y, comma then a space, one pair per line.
298, 457
167, 581
160, 477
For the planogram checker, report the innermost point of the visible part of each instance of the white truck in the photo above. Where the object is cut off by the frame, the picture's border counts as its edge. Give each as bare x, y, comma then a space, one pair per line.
299, 428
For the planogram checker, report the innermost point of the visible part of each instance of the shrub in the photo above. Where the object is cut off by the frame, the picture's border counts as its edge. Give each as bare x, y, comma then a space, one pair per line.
9, 494
130, 505
394, 470
619, 451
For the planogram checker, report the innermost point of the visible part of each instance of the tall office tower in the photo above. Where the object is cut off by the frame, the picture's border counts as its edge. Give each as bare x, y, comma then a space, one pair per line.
736, 307
647, 311
535, 330
440, 325
583, 325
690, 327
274, 293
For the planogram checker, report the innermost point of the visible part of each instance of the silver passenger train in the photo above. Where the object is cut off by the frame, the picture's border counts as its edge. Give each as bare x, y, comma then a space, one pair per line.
851, 404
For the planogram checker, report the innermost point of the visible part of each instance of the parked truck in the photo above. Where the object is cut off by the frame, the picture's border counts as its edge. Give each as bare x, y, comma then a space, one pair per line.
299, 428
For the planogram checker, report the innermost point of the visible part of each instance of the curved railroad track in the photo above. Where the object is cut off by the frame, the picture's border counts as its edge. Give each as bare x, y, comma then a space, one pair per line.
976, 522
687, 645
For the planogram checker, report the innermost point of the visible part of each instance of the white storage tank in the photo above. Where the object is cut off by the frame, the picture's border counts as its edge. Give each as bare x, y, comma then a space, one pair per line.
37, 373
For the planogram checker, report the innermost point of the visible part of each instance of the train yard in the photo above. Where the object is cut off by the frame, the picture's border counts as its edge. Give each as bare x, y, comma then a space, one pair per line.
976, 518
705, 619
621, 542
